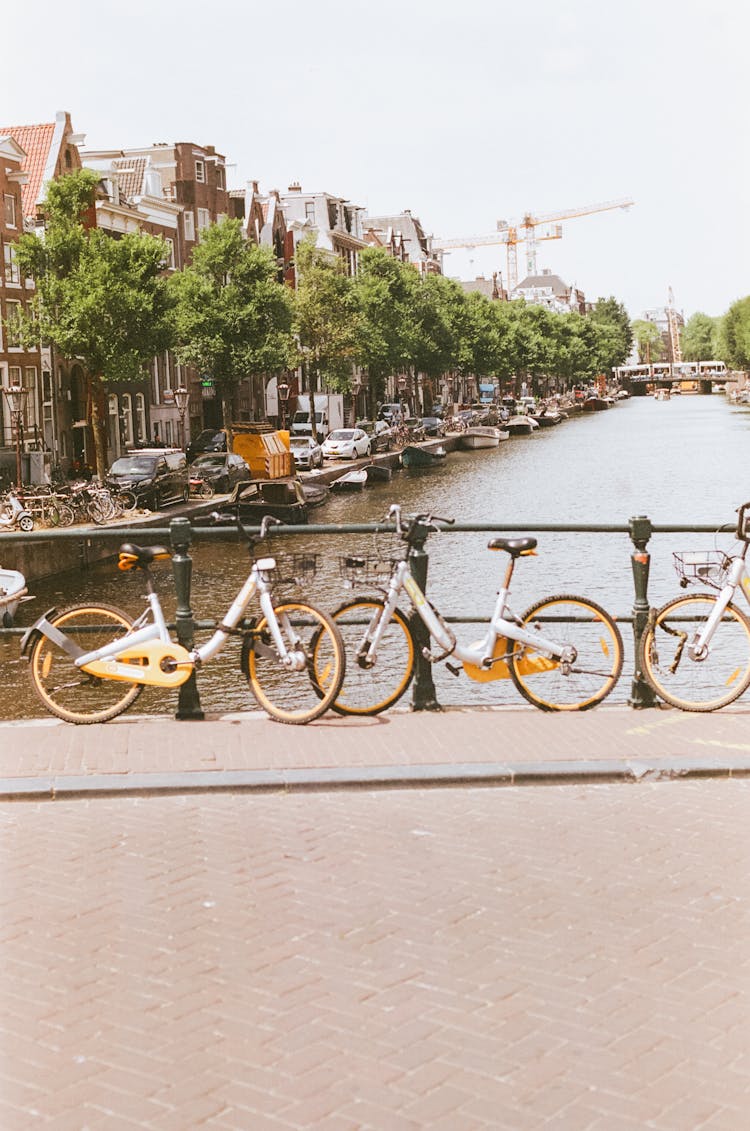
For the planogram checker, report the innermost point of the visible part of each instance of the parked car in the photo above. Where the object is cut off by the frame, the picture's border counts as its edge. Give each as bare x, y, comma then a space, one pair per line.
306, 451
157, 476
433, 426
346, 443
223, 470
380, 434
209, 440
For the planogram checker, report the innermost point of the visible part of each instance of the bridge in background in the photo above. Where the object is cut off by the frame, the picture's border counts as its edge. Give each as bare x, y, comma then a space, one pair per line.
704, 374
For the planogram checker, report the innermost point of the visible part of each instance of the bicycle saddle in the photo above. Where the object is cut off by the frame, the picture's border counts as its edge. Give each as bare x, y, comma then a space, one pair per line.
138, 557
514, 546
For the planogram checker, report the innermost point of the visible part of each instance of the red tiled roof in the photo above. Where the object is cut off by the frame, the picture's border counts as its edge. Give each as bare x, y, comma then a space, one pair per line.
36, 141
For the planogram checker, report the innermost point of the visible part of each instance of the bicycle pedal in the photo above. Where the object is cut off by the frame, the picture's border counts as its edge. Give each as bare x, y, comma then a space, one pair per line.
454, 669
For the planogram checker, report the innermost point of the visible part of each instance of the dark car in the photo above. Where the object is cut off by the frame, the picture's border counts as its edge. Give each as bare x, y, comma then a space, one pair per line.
156, 477
209, 440
380, 434
433, 426
221, 469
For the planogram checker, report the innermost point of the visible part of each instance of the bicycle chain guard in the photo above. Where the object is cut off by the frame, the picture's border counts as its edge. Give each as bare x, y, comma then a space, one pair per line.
153, 664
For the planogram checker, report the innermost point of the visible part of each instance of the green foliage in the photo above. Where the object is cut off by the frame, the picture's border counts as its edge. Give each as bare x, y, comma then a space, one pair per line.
733, 339
383, 292
649, 341
699, 338
325, 317
615, 337
97, 298
231, 317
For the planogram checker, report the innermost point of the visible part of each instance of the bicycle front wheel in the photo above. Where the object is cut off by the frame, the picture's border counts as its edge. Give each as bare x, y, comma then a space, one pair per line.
368, 690
584, 681
685, 677
64, 689
297, 696
65, 514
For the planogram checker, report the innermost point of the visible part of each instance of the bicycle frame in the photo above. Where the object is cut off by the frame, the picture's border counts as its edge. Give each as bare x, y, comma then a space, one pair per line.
146, 654
737, 578
481, 654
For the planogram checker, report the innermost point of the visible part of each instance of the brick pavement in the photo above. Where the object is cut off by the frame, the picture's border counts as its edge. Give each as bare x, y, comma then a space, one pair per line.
453, 959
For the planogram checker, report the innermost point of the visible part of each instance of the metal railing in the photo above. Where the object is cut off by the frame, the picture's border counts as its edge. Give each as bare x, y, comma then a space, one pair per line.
181, 534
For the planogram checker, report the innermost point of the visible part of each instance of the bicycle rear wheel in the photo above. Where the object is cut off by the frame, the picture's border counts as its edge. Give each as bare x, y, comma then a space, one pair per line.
65, 514
370, 690
693, 682
296, 696
580, 685
64, 689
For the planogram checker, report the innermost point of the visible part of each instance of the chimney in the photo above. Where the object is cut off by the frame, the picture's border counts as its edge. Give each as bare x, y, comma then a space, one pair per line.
295, 186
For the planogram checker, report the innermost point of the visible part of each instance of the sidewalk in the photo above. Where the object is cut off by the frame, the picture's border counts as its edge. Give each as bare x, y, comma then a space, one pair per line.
236, 925
400, 749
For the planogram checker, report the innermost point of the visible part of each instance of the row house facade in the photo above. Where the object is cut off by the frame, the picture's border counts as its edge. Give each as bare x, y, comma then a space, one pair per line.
32, 156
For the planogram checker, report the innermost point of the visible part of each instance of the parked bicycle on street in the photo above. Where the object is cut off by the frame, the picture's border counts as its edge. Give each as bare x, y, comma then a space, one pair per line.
90, 662
695, 650
563, 654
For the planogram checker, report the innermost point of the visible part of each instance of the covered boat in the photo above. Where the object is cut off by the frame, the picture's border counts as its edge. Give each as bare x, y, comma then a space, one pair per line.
288, 499
351, 481
12, 592
520, 425
378, 472
413, 456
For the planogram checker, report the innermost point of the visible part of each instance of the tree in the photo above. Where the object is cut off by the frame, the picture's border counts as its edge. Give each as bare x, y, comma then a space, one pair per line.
615, 340
648, 340
699, 338
232, 317
98, 298
734, 335
383, 292
325, 320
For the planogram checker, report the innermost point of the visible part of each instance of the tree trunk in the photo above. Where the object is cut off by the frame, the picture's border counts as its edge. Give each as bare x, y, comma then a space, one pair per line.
98, 405
312, 383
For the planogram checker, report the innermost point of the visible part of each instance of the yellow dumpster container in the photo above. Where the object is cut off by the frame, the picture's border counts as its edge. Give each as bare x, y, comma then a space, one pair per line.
266, 454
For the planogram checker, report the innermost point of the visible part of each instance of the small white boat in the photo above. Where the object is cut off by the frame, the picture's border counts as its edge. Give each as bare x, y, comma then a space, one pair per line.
12, 592
482, 436
352, 481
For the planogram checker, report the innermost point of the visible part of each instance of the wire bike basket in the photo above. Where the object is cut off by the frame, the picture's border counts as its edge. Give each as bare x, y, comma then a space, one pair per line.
367, 569
709, 567
293, 569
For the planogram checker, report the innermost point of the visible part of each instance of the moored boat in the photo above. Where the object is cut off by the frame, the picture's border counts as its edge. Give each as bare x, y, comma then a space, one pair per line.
413, 456
288, 499
520, 425
482, 436
595, 404
378, 472
351, 481
12, 592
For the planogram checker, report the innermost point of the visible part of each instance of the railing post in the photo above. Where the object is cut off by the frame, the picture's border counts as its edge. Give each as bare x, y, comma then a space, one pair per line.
423, 696
641, 694
180, 534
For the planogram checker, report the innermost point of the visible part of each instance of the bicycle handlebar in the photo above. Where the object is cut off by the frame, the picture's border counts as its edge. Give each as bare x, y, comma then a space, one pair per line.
426, 521
742, 530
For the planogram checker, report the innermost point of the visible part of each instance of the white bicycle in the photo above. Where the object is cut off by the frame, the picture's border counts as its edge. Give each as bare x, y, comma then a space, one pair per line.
563, 654
695, 650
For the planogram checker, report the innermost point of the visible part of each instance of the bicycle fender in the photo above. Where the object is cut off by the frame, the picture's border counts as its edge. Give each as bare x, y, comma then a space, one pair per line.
35, 630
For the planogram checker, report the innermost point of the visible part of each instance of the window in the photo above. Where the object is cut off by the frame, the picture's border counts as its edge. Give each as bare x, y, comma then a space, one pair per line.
126, 419
10, 210
221, 180
169, 258
140, 416
12, 274
200, 172
30, 377
310, 210
204, 219
12, 316
189, 226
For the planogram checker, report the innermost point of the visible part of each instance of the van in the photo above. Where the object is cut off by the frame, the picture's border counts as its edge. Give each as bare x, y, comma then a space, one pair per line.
395, 410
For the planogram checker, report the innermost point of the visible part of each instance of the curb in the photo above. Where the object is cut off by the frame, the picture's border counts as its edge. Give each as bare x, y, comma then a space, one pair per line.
444, 776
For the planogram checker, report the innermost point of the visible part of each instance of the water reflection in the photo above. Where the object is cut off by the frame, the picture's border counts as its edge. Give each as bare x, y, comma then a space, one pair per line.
679, 461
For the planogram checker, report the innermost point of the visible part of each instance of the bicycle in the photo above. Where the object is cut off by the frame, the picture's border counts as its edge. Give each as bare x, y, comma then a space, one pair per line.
695, 650
90, 662
572, 669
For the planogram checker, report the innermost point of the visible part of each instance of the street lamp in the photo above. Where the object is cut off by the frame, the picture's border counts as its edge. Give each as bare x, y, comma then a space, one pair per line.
282, 390
16, 396
182, 399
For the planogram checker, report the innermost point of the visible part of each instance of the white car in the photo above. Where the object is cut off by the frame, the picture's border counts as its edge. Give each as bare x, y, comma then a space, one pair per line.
346, 443
307, 453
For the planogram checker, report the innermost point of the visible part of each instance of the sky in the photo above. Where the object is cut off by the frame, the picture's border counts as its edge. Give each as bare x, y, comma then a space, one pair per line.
464, 113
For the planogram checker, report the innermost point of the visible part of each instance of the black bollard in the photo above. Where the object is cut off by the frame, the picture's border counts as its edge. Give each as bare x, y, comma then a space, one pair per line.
641, 694
423, 696
180, 534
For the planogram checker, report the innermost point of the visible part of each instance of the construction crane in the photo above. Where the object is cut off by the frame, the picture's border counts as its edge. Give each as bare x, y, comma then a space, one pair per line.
674, 329
525, 231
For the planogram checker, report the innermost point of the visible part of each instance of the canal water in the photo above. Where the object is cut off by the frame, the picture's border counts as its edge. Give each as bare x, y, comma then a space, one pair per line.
682, 461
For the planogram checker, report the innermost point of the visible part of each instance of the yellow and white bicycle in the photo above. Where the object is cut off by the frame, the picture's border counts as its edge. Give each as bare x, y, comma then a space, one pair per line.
90, 662
563, 654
